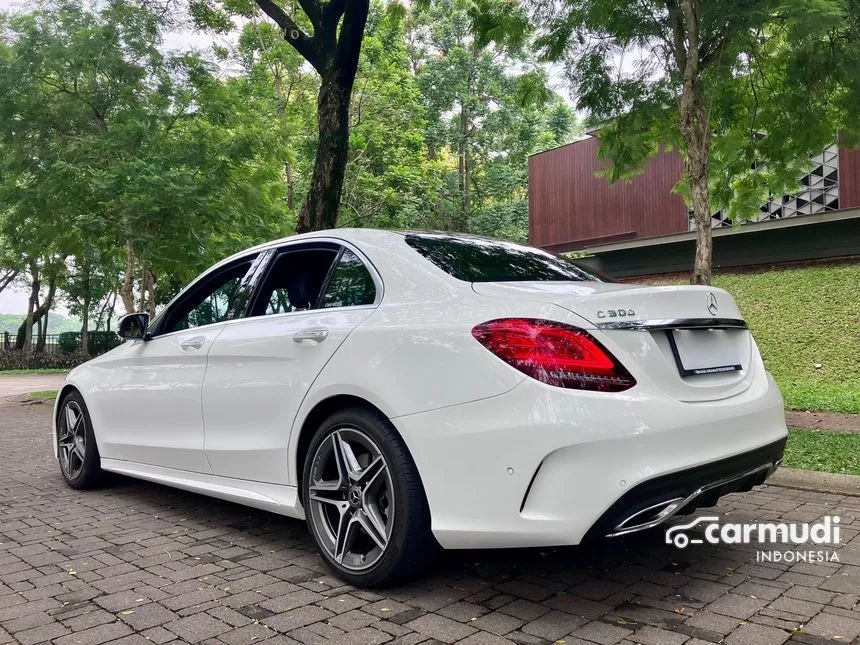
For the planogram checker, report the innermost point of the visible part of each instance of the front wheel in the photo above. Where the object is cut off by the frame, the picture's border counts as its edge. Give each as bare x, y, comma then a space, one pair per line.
78, 454
364, 501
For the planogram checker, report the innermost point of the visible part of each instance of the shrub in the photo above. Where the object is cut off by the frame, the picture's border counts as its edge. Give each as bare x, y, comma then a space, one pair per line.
13, 359
68, 342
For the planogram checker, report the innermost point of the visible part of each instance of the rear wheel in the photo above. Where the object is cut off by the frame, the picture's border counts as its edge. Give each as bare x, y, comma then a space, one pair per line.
77, 451
364, 501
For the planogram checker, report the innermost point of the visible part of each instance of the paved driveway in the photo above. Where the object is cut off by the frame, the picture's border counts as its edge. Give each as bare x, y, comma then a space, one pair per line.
11, 385
141, 563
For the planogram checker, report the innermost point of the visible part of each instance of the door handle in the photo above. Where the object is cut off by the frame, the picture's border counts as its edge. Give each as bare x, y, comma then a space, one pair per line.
312, 335
192, 343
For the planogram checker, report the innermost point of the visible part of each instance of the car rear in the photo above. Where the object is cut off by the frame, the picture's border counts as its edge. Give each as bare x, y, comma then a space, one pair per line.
638, 403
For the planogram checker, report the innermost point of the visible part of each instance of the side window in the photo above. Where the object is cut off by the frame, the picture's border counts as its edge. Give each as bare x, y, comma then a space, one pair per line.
294, 281
350, 284
212, 301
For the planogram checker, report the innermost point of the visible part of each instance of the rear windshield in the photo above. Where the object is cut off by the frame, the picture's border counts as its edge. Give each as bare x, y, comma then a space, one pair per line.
476, 259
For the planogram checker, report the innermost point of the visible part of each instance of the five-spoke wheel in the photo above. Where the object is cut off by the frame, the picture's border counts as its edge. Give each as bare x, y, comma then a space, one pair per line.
72, 439
363, 499
351, 498
77, 451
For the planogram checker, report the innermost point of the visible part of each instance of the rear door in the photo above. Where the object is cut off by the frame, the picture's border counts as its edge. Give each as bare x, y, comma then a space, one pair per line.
306, 303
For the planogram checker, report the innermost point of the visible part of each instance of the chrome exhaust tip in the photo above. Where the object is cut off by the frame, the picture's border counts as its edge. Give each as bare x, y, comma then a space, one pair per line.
649, 517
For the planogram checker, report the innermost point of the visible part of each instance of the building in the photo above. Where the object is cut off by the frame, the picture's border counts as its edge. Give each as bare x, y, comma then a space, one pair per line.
641, 227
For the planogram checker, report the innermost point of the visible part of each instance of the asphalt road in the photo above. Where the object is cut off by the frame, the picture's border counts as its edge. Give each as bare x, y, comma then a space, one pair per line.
142, 563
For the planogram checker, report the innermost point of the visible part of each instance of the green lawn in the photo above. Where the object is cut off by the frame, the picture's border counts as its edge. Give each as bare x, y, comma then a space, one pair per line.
47, 370
43, 394
802, 317
825, 451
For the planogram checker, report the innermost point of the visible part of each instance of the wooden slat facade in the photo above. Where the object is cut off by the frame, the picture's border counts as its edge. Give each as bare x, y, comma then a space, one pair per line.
849, 178
570, 208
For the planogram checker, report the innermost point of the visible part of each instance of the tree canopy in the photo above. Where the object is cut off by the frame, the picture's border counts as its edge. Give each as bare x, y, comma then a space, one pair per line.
746, 90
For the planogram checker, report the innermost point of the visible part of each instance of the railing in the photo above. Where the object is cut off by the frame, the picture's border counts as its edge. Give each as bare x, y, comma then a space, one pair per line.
64, 343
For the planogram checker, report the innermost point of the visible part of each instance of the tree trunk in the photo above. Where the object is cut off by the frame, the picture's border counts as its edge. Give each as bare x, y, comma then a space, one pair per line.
288, 178
697, 137
126, 291
321, 204
35, 285
85, 313
463, 172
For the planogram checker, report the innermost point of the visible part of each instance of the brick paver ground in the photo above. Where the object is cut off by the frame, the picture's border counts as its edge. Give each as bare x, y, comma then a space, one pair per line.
140, 563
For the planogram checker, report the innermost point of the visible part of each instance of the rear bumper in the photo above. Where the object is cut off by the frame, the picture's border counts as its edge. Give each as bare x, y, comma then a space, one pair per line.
540, 466
655, 501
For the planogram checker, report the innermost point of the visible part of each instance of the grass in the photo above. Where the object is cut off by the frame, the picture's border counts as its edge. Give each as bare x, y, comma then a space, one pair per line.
823, 451
46, 370
43, 394
806, 322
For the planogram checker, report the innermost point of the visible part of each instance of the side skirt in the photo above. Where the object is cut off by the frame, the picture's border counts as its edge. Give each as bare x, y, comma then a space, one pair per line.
276, 498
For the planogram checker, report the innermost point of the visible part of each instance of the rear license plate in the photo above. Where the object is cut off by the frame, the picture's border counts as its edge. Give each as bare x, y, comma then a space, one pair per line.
706, 351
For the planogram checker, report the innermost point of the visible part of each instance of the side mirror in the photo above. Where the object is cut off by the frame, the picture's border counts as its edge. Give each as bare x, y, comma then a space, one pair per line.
133, 326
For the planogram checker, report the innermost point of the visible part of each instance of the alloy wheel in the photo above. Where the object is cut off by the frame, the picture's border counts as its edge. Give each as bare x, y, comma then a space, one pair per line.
351, 499
72, 440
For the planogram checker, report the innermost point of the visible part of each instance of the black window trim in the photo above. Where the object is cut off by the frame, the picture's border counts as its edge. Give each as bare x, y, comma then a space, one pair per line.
256, 258
277, 249
273, 254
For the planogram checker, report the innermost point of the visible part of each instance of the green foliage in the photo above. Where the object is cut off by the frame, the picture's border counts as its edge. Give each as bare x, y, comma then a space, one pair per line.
57, 323
114, 144
99, 342
803, 318
68, 342
823, 451
780, 80
488, 108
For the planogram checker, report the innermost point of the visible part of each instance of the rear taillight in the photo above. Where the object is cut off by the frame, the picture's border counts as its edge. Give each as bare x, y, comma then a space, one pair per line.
554, 353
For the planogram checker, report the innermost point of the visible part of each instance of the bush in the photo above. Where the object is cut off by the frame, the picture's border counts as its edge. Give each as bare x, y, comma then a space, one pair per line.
68, 342
102, 341
13, 359
99, 342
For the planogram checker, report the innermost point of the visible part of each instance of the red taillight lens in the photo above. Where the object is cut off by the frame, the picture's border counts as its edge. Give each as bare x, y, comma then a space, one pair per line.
554, 353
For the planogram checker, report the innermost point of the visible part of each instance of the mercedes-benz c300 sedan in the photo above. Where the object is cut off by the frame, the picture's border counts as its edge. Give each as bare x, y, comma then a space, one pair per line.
402, 389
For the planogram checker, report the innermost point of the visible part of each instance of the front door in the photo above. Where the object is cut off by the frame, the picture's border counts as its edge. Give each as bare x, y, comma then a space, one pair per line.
149, 399
260, 368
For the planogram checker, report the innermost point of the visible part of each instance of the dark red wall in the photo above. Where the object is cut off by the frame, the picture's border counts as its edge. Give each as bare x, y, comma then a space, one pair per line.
849, 179
570, 208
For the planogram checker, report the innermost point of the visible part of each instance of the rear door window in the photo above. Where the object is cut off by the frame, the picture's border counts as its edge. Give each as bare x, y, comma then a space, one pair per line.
350, 284
476, 259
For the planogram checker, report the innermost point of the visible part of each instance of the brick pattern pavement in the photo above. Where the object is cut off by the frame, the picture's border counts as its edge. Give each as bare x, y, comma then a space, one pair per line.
140, 563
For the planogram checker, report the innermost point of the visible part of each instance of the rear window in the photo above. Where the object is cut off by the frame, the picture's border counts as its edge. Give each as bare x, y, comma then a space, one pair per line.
476, 259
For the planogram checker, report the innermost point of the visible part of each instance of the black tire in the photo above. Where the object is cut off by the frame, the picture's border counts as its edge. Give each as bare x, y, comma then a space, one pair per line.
410, 545
78, 473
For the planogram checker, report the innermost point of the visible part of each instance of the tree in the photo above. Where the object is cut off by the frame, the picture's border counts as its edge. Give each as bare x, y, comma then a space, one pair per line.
747, 90
332, 49
489, 106
117, 154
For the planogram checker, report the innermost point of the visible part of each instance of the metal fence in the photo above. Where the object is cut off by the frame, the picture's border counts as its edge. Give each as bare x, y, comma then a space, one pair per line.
64, 343
52, 342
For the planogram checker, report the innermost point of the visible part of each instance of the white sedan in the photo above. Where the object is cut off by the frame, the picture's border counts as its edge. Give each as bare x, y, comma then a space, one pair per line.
402, 389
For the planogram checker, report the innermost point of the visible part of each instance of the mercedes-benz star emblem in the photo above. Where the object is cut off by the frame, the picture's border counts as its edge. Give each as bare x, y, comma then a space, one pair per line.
712, 303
